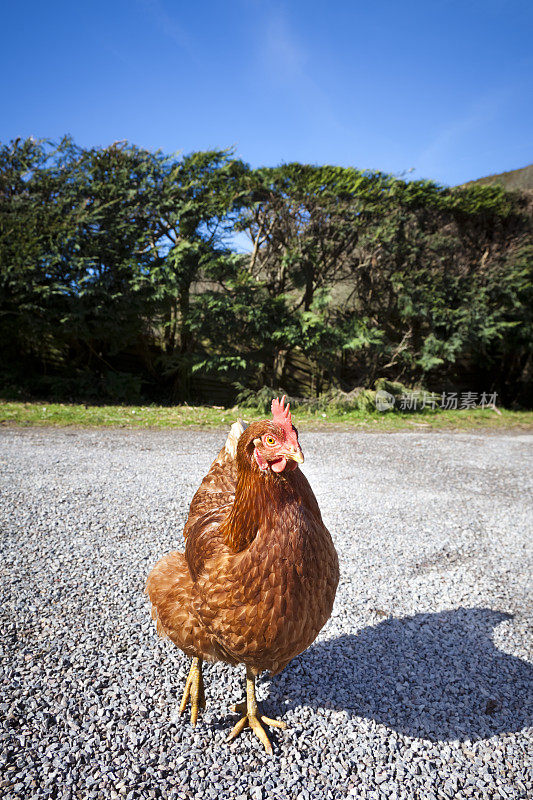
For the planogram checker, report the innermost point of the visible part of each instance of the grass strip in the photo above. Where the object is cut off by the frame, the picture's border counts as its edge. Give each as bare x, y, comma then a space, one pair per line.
185, 416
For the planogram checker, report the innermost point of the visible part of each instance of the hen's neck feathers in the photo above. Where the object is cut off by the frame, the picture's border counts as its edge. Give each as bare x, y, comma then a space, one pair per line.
259, 499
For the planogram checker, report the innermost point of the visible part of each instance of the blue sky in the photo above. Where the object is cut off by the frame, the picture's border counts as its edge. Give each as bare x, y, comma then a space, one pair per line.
441, 87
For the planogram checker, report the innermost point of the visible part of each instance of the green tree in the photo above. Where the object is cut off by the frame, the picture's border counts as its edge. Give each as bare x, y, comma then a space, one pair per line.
197, 203
36, 223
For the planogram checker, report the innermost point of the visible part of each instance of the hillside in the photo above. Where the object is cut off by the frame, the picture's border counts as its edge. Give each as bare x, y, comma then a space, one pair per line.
514, 179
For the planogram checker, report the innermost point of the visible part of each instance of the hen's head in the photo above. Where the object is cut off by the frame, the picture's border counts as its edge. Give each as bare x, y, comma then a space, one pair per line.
271, 446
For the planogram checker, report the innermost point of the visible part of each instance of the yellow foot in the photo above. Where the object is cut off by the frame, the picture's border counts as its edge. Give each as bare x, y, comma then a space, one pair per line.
194, 690
253, 719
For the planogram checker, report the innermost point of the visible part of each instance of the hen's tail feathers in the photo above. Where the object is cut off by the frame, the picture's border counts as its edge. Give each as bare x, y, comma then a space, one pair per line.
233, 437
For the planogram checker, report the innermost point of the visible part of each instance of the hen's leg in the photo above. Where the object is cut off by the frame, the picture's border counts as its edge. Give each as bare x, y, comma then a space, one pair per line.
252, 717
194, 690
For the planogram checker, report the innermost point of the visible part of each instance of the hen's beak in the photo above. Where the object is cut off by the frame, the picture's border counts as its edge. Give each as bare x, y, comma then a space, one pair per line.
295, 454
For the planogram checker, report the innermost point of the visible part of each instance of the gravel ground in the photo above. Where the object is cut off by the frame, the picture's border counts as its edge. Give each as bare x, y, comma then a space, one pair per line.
418, 687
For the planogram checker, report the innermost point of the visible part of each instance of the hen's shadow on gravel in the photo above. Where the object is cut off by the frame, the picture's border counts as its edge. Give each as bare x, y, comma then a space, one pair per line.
436, 676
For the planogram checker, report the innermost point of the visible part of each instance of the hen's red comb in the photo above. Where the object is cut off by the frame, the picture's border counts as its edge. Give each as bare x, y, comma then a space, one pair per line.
282, 412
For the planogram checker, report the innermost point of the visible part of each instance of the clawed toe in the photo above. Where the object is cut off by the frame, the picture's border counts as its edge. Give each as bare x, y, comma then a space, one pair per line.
274, 723
255, 722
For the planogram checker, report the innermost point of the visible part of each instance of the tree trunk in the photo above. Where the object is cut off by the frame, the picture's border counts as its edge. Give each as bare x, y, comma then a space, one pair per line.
309, 286
182, 381
184, 304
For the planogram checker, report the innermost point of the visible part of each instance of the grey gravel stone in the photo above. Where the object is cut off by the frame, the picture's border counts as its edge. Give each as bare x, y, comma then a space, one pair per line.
418, 687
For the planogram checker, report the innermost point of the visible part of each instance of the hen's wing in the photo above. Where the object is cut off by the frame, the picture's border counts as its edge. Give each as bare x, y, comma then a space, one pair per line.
210, 506
217, 490
171, 583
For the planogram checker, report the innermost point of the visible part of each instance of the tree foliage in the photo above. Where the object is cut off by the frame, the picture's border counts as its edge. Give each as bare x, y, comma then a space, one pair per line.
119, 277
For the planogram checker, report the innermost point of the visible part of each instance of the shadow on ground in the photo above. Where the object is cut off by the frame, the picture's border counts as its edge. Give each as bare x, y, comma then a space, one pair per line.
436, 676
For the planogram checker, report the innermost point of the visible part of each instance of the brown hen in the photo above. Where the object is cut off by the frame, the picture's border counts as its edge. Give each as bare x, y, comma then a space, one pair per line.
259, 574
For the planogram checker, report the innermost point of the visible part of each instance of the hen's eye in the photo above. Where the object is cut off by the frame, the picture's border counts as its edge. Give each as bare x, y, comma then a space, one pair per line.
270, 440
